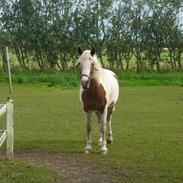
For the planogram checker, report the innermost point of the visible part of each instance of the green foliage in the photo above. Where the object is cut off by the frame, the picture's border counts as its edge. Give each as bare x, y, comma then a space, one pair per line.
70, 79
46, 34
16, 172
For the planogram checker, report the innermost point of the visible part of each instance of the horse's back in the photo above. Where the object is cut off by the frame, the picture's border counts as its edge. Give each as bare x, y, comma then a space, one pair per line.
111, 86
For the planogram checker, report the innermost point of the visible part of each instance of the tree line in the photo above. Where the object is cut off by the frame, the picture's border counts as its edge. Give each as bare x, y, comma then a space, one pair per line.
127, 34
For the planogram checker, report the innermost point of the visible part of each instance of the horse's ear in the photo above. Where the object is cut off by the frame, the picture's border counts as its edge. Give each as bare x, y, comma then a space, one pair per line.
80, 50
93, 51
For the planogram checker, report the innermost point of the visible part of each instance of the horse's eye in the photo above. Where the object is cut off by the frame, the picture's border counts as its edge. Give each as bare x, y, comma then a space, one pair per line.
92, 63
77, 64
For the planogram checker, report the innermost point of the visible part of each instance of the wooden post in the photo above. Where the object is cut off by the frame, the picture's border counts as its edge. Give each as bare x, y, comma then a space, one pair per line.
9, 71
9, 128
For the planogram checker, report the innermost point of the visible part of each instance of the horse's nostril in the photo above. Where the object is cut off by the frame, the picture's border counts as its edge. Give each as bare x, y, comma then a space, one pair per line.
85, 84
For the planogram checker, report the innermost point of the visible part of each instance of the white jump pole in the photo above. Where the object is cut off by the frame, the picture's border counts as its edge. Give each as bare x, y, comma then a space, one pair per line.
9, 112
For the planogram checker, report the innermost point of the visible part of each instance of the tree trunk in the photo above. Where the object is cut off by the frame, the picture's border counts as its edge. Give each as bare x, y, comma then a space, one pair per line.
138, 59
41, 60
158, 69
171, 58
22, 57
174, 59
179, 59
38, 61
58, 65
18, 55
4, 60
121, 62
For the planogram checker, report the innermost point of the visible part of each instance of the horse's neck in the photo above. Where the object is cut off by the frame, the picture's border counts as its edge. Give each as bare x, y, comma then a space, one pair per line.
97, 74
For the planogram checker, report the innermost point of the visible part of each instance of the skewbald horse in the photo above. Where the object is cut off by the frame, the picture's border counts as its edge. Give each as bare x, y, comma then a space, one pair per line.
99, 92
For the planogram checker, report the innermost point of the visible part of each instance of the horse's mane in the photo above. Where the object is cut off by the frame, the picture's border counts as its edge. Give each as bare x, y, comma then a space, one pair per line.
98, 68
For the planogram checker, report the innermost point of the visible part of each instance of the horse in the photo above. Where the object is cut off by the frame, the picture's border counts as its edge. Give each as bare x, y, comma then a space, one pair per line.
99, 93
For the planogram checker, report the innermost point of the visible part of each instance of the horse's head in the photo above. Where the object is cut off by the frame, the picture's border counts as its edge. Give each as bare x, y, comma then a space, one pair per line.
86, 64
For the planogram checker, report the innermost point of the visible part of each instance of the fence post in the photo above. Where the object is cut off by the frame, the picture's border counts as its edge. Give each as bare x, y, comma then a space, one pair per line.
9, 71
9, 127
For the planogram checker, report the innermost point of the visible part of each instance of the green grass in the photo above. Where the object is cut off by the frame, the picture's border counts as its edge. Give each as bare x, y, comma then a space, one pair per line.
19, 172
150, 79
147, 127
70, 79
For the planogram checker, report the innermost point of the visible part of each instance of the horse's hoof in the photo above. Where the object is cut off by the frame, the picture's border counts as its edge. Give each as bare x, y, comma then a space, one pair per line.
104, 150
87, 151
109, 141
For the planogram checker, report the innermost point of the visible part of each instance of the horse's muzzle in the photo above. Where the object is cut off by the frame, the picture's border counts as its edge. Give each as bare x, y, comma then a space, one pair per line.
85, 81
85, 84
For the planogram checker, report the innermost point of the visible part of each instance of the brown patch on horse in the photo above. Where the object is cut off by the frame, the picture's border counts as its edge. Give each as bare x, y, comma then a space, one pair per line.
110, 110
111, 105
94, 97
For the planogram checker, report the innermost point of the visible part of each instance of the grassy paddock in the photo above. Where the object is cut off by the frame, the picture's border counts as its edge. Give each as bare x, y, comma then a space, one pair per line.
147, 127
70, 79
16, 172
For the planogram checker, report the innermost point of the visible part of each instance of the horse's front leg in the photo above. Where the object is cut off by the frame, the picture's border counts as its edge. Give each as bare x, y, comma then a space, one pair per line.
98, 114
103, 131
88, 147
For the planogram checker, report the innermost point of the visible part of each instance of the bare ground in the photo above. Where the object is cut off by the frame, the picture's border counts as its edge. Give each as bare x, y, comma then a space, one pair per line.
74, 168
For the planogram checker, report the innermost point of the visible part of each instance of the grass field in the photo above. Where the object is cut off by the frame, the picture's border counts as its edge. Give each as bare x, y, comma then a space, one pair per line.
147, 128
20, 172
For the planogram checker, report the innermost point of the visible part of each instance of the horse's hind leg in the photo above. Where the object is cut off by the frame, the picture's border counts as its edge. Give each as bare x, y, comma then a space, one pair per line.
109, 117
